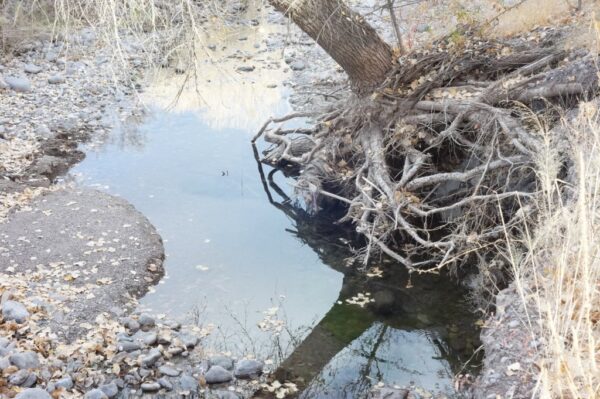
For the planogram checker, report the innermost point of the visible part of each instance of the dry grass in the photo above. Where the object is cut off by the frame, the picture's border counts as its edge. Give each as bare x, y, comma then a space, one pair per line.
558, 274
529, 14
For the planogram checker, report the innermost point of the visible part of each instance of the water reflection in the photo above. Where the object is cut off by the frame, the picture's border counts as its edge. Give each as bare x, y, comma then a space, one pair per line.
416, 330
236, 81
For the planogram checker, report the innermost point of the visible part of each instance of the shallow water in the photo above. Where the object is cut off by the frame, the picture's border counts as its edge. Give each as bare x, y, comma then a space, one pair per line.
232, 255
239, 254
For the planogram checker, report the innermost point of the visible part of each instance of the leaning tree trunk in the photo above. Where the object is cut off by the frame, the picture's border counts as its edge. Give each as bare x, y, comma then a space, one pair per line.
345, 36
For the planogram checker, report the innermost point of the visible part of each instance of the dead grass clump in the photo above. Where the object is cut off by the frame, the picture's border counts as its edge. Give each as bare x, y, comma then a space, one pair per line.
562, 265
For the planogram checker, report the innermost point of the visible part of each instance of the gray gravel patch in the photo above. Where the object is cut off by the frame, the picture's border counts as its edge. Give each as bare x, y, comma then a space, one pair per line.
83, 241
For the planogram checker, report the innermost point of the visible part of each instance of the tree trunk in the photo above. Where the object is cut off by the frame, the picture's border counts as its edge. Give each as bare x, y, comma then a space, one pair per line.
345, 36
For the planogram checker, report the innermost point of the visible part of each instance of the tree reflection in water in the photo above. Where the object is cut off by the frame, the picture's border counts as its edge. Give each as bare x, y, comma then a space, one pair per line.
420, 333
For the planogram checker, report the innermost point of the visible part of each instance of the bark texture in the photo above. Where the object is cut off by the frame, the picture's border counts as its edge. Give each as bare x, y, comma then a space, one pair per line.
345, 36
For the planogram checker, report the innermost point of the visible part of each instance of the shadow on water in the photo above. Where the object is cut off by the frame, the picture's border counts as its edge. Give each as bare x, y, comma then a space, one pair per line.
414, 330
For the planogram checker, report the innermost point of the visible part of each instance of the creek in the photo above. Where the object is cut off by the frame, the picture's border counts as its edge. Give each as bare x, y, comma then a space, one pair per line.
244, 261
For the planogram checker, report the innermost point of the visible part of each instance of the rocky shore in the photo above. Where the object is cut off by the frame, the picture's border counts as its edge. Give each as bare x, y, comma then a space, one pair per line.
73, 261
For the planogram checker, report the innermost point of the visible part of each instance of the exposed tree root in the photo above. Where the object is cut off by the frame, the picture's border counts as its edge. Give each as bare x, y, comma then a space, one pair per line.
438, 160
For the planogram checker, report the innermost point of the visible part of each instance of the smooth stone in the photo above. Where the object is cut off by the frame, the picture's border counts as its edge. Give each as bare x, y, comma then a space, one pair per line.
188, 383
247, 368
150, 386
3, 84
128, 346
56, 79
24, 360
169, 371
297, 65
223, 361
33, 69
151, 358
189, 340
15, 311
33, 393
111, 390
146, 321
131, 324
65, 383
166, 384
19, 377
31, 380
217, 375
4, 342
95, 394
21, 85
144, 372
4, 363
148, 338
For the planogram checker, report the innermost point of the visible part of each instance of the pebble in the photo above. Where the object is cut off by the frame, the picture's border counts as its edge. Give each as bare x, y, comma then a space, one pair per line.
226, 395
19, 378
152, 357
150, 386
169, 371
3, 84
128, 346
111, 390
188, 383
32, 69
247, 368
188, 339
131, 324
95, 394
21, 85
24, 360
223, 361
148, 338
65, 383
297, 65
146, 321
4, 363
56, 79
166, 384
16, 311
217, 375
33, 393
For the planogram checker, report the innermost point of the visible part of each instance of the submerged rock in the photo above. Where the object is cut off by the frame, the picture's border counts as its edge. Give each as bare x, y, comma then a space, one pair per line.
223, 361
247, 368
